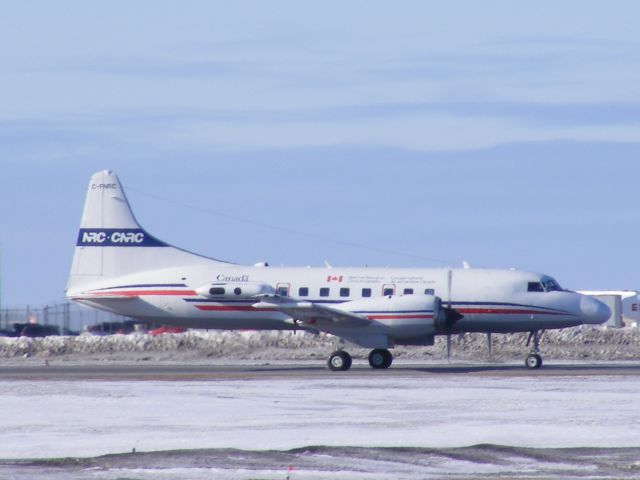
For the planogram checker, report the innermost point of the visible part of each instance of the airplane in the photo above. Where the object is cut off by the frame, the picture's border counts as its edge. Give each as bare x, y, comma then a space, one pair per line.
121, 268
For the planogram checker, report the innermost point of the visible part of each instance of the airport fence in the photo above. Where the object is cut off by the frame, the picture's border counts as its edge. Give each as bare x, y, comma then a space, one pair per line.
68, 317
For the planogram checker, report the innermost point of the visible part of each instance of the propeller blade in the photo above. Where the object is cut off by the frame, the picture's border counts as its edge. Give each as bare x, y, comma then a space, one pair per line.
452, 315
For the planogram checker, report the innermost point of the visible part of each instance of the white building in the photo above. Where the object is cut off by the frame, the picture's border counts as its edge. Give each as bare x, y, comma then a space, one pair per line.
625, 311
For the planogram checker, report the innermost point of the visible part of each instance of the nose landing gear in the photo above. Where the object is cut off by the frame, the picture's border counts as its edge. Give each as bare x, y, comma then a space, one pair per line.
534, 360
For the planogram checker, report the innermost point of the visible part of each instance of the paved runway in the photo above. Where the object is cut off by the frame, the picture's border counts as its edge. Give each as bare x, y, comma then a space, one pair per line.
185, 372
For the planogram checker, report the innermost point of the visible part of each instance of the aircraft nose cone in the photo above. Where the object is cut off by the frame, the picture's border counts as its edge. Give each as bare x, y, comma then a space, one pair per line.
594, 311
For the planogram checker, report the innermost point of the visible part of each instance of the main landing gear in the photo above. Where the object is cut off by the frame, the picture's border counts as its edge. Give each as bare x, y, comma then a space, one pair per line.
379, 358
534, 360
339, 361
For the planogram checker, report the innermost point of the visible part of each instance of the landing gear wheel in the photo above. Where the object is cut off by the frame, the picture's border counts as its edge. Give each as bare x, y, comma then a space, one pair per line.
533, 360
380, 358
339, 361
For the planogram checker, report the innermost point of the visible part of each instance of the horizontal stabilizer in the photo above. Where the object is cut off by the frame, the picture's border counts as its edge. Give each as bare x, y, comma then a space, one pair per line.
102, 297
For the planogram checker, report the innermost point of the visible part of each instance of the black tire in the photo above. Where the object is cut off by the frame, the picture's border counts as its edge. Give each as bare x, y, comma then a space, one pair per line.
380, 358
339, 361
533, 361
348, 360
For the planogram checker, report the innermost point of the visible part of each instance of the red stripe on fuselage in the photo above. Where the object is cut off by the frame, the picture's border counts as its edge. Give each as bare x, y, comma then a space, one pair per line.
477, 311
138, 293
227, 308
492, 311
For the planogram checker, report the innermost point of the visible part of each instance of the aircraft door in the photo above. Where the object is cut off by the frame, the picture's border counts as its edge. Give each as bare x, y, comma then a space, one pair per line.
283, 289
388, 289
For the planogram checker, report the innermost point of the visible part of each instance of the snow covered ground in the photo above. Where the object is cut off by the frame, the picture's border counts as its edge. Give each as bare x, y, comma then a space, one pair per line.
199, 345
353, 426
88, 418
83, 418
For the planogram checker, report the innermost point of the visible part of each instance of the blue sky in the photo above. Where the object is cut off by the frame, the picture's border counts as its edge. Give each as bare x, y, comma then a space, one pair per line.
381, 133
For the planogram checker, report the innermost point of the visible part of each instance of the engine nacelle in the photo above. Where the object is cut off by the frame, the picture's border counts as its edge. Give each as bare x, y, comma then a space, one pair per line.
413, 308
396, 319
225, 290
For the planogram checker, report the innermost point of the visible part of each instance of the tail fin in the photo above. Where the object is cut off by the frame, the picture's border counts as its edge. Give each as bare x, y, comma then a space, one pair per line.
111, 243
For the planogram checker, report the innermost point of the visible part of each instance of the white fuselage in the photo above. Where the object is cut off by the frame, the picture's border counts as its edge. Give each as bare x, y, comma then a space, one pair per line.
487, 300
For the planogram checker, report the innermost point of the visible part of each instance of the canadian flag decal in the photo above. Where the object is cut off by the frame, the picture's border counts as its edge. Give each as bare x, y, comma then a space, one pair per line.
334, 278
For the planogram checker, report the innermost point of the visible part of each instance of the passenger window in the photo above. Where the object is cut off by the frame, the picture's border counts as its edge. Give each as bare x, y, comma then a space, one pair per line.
366, 292
344, 292
303, 292
535, 287
408, 291
429, 291
324, 292
387, 291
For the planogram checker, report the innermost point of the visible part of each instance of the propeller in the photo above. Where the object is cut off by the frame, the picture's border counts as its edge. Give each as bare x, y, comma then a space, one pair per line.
451, 315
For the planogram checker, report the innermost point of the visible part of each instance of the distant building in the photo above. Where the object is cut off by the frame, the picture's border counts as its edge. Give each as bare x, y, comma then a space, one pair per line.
625, 311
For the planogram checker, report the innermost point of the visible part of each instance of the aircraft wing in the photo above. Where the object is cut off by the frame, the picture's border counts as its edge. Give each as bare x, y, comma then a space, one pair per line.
313, 313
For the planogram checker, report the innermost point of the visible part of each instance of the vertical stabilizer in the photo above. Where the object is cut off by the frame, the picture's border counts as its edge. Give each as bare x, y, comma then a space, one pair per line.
111, 243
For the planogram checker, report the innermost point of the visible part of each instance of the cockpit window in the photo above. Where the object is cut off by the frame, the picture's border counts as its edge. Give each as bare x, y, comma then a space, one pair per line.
545, 285
550, 285
535, 287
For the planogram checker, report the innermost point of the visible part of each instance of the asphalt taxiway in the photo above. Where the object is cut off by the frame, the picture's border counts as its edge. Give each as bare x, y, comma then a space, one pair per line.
185, 372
